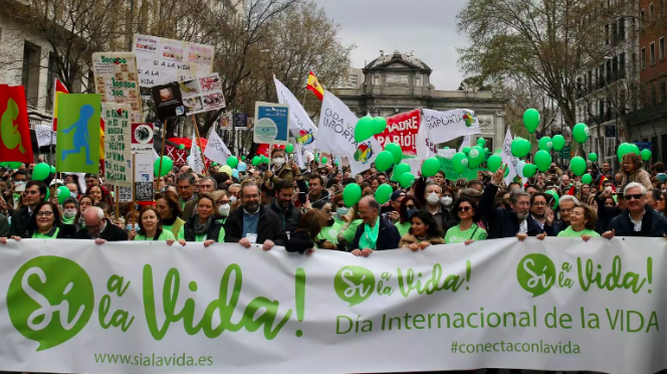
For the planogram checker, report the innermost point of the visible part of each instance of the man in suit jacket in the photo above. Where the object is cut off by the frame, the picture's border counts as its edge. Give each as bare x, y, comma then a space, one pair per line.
35, 192
99, 228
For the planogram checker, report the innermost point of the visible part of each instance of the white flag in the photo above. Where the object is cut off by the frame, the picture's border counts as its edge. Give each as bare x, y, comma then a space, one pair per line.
336, 128
512, 162
445, 126
300, 124
195, 160
45, 135
298, 156
216, 149
465, 143
155, 155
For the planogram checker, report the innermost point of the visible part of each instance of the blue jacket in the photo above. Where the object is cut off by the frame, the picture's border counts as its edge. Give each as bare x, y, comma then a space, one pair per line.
388, 236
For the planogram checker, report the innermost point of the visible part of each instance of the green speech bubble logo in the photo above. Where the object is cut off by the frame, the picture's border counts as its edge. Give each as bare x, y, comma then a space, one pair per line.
536, 274
50, 299
354, 284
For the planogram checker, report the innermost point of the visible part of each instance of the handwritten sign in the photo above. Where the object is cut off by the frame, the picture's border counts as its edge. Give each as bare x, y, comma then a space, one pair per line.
161, 60
117, 145
402, 129
203, 94
116, 79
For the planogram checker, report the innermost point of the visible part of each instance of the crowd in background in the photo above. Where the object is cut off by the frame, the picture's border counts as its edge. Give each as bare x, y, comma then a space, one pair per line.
304, 209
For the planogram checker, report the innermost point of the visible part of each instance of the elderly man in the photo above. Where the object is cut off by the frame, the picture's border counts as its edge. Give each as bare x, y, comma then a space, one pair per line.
566, 204
434, 205
73, 190
99, 228
186, 193
254, 224
638, 219
508, 223
375, 233
207, 185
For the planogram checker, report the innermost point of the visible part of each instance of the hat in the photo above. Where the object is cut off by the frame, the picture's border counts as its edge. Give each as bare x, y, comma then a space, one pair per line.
398, 193
471, 193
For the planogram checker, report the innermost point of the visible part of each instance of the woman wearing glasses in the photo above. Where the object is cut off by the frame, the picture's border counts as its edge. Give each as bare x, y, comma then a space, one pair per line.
222, 207
582, 223
466, 230
46, 224
423, 232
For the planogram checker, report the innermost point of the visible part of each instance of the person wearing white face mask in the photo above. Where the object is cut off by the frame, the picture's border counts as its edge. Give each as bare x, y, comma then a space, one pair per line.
280, 170
440, 213
69, 211
222, 207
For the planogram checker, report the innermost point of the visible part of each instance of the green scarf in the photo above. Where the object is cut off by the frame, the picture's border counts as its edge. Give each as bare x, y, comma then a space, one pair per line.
369, 239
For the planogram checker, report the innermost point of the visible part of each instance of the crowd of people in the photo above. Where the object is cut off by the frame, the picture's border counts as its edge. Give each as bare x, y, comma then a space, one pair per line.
304, 209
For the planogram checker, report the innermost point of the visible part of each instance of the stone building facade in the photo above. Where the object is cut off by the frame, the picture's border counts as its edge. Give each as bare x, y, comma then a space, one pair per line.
400, 82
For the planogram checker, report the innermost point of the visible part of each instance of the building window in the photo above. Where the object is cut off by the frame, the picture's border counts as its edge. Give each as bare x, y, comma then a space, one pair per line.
643, 58
621, 28
661, 49
50, 82
642, 18
30, 73
651, 12
606, 34
652, 53
654, 92
621, 65
663, 91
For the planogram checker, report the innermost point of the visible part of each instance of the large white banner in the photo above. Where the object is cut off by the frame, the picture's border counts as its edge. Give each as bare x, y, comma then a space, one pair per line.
144, 307
448, 125
300, 124
336, 132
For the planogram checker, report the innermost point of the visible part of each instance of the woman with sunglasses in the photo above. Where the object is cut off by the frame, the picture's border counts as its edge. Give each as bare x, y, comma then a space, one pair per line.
466, 230
150, 227
46, 224
409, 206
328, 236
423, 232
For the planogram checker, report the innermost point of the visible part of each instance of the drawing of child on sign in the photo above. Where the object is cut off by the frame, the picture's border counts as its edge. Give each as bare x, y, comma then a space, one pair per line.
81, 139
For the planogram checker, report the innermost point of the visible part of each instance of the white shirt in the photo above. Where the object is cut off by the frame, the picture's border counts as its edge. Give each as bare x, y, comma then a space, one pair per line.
523, 226
637, 224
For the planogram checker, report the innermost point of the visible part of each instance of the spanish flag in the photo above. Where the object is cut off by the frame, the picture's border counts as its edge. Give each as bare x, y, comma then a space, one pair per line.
314, 86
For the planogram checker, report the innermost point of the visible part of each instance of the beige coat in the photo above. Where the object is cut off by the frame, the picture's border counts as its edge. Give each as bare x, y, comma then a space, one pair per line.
640, 176
408, 239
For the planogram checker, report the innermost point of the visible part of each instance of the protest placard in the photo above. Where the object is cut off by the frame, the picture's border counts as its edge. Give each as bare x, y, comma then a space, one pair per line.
117, 81
168, 100
271, 123
402, 129
161, 60
117, 145
202, 94
78, 135
45, 135
142, 137
143, 176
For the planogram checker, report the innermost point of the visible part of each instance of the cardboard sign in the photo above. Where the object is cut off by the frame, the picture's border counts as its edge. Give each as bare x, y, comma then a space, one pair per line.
78, 135
142, 137
402, 129
161, 60
203, 94
117, 145
271, 123
117, 81
168, 101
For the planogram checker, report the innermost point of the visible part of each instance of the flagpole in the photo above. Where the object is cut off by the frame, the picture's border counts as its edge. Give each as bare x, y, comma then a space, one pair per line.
164, 139
201, 152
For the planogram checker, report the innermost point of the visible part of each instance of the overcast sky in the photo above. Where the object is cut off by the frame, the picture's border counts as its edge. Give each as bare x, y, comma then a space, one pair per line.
427, 27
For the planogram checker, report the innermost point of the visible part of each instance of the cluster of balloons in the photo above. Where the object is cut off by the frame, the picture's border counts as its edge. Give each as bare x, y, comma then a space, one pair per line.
391, 157
368, 126
471, 157
631, 148
259, 159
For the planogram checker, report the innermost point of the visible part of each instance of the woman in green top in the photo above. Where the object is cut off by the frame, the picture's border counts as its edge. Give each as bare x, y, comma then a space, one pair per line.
347, 219
150, 227
46, 223
69, 211
170, 210
582, 223
328, 236
409, 206
203, 227
466, 230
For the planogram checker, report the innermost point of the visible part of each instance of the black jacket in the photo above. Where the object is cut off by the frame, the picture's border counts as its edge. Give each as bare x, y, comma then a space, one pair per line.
504, 223
19, 224
388, 236
290, 218
300, 242
653, 224
212, 234
110, 233
268, 227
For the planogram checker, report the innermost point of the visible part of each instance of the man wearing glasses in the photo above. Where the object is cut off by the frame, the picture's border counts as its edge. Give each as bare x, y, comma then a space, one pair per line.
541, 215
35, 191
638, 219
99, 228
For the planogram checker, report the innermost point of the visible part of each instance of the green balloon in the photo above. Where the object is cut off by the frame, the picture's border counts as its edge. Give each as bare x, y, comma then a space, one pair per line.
587, 179
41, 172
459, 162
256, 160
546, 144
481, 142
543, 160
635, 149
593, 157
399, 170
476, 156
529, 170
53, 169
466, 150
324, 160
289, 148
623, 149
430, 167
494, 162
379, 125
351, 194
383, 193
531, 119
232, 161
181, 147
396, 151
63, 193
520, 147
384, 161
558, 142
646, 154
556, 197
364, 129
498, 151
406, 180
580, 133
578, 166
167, 164
486, 150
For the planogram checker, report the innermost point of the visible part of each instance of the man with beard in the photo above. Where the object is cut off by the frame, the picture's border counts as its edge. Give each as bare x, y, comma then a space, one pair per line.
254, 224
283, 207
541, 215
507, 223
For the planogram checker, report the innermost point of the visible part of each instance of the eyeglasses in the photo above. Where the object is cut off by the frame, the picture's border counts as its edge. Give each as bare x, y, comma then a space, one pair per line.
44, 214
634, 196
539, 204
464, 208
326, 211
